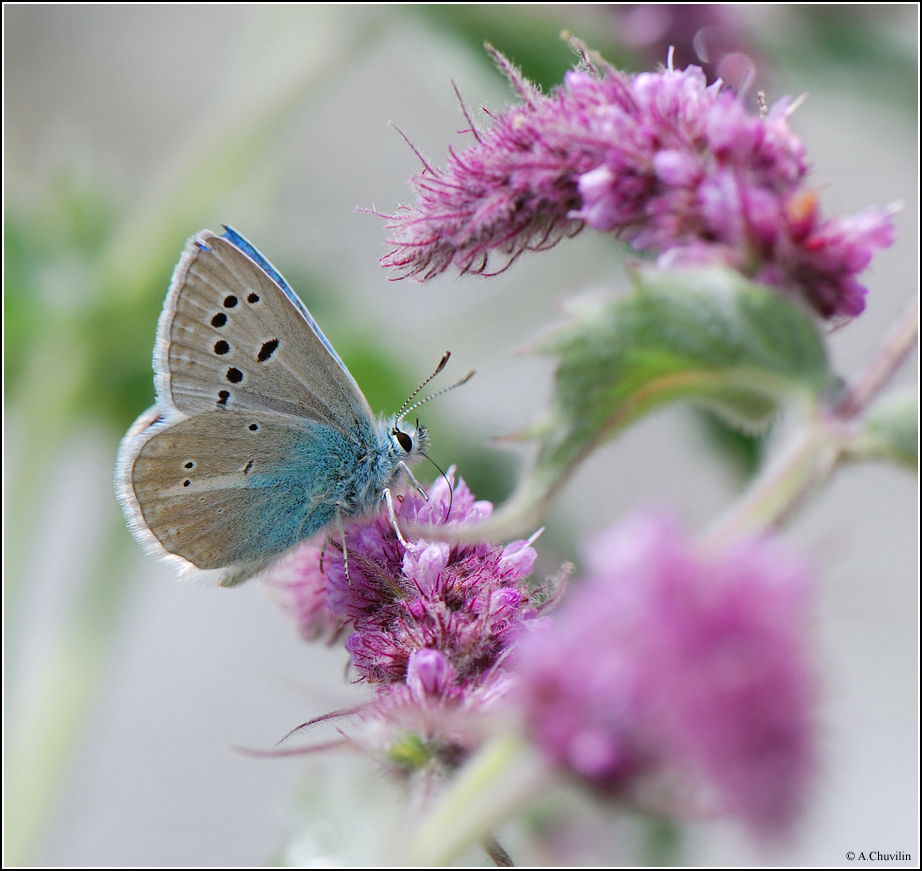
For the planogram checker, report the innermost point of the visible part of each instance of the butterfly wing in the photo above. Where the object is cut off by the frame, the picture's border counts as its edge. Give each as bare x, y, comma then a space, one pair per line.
230, 491
257, 422
233, 337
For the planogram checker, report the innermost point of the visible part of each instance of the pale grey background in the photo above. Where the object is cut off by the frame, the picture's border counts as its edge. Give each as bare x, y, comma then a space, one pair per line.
196, 671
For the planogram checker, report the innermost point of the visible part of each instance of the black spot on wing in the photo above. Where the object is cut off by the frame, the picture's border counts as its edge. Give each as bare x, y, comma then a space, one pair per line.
234, 375
267, 350
221, 347
219, 320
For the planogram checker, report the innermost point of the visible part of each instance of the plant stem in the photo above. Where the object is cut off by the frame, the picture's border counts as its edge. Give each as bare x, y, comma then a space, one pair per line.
812, 454
503, 777
899, 342
497, 854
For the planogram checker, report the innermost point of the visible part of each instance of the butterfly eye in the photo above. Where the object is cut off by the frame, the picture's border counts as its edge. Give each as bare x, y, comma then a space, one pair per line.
403, 439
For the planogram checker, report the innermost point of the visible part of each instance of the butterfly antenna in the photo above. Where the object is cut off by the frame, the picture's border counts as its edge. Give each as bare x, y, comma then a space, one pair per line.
405, 411
439, 368
451, 490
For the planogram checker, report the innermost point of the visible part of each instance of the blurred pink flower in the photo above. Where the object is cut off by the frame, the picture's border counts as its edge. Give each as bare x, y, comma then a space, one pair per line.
299, 585
670, 661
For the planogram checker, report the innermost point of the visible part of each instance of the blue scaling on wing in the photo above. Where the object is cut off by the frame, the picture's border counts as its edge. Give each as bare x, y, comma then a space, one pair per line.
283, 503
238, 241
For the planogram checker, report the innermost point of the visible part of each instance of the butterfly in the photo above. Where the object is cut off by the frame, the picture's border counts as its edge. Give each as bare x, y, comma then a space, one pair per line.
259, 437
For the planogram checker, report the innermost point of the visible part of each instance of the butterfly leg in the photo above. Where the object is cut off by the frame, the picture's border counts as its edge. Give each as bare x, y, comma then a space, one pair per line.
392, 514
342, 539
414, 482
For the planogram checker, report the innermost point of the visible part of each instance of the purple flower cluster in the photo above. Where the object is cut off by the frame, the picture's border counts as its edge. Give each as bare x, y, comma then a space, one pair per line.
675, 167
432, 622
670, 663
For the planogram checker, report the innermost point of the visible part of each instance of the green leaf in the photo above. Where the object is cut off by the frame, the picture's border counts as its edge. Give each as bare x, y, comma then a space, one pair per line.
705, 335
741, 452
891, 431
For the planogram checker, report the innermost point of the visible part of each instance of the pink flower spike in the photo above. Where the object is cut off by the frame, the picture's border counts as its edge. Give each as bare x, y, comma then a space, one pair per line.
662, 160
432, 621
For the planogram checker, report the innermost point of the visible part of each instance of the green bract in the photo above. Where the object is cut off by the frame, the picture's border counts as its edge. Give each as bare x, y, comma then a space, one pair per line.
705, 335
892, 430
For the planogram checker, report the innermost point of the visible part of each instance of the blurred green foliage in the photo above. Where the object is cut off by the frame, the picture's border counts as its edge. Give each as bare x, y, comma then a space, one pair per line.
50, 249
529, 36
866, 47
